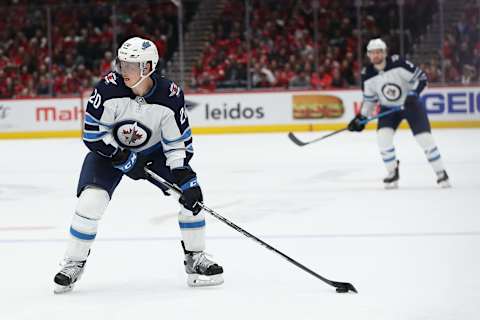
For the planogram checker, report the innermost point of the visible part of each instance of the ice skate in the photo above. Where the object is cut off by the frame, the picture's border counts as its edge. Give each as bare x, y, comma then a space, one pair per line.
391, 181
70, 273
201, 271
443, 180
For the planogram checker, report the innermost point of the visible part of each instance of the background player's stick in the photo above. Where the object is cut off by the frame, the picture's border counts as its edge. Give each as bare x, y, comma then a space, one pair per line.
341, 286
300, 143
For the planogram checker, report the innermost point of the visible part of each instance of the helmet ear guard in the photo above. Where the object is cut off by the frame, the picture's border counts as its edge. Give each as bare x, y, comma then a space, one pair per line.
144, 67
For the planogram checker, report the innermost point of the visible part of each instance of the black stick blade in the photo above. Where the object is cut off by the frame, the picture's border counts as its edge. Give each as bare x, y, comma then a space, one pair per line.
295, 140
343, 287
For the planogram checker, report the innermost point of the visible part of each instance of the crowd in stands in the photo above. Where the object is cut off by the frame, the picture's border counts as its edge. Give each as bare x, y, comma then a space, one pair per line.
282, 44
82, 42
280, 53
281, 47
461, 50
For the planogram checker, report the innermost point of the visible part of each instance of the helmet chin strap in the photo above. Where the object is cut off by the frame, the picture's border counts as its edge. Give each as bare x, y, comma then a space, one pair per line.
142, 77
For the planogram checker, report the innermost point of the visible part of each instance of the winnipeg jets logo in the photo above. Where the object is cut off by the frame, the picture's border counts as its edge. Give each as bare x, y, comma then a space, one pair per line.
174, 90
391, 91
131, 134
111, 78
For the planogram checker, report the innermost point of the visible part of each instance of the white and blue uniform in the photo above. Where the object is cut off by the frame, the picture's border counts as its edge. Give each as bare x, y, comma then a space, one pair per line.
399, 84
126, 133
155, 125
391, 86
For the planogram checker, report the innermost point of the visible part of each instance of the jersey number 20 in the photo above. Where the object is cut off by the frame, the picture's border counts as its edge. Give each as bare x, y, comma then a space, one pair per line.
95, 99
183, 115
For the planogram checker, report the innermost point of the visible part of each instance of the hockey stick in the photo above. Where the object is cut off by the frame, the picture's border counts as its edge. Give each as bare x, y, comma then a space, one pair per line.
300, 143
341, 286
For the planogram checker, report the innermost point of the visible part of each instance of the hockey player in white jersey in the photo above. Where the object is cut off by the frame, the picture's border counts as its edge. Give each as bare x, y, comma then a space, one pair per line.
134, 119
396, 83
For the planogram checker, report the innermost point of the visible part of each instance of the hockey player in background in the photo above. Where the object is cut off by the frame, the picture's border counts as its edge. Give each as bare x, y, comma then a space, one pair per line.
134, 119
394, 82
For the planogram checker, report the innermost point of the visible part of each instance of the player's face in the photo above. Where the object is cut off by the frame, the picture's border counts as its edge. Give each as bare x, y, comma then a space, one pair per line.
376, 56
130, 72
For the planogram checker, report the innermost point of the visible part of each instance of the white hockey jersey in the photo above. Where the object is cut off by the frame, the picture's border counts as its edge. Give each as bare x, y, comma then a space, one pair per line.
391, 86
116, 118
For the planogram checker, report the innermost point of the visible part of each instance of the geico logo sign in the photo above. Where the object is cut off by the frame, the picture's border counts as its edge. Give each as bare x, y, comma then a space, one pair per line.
53, 114
452, 102
237, 112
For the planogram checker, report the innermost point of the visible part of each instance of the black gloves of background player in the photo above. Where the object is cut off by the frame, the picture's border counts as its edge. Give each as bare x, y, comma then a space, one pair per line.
186, 179
131, 164
357, 123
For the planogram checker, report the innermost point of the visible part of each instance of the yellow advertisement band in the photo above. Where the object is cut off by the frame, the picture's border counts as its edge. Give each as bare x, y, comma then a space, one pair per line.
242, 129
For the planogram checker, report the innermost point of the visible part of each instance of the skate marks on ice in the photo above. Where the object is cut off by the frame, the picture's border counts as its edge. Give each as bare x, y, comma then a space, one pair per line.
25, 228
16, 192
266, 236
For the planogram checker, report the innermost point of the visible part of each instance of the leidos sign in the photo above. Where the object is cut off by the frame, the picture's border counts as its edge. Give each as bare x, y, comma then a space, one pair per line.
51, 113
226, 112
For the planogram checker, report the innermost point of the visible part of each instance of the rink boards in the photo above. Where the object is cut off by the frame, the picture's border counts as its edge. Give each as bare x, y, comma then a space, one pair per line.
243, 112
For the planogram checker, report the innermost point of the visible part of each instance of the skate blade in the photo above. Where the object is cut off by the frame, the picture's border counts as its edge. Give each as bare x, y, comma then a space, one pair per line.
197, 280
391, 185
59, 289
445, 184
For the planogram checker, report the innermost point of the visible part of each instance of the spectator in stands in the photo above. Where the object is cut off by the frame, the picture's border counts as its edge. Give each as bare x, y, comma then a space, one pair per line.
464, 55
337, 80
235, 74
300, 81
321, 79
43, 86
106, 63
468, 74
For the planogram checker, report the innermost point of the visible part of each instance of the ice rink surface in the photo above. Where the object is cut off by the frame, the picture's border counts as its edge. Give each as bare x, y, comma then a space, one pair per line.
413, 253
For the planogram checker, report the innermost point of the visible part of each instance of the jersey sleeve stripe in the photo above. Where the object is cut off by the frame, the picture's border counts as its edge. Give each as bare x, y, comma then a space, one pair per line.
93, 135
185, 136
418, 74
91, 120
91, 127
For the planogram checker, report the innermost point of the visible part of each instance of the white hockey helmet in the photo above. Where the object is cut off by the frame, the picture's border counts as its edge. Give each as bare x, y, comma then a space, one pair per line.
141, 51
376, 44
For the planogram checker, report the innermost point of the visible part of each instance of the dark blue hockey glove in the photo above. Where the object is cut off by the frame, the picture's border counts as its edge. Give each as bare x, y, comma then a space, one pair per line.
131, 164
186, 179
357, 123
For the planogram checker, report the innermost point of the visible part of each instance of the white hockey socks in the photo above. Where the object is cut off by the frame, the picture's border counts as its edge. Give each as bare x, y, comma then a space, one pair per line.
192, 229
387, 150
425, 140
83, 230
